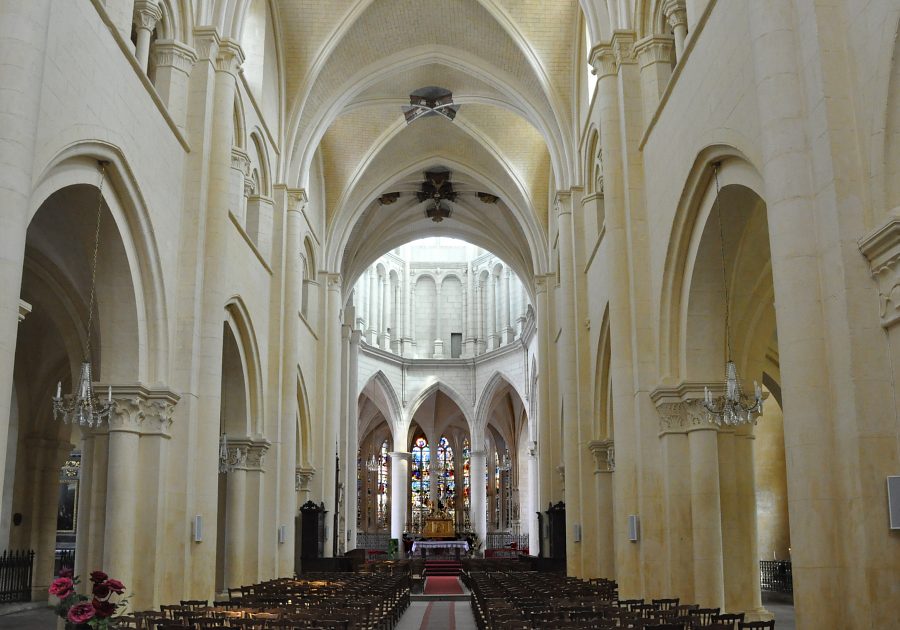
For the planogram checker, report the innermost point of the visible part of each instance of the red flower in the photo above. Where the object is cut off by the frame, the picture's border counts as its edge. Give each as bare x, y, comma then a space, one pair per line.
81, 613
98, 576
101, 590
66, 572
61, 587
103, 609
115, 586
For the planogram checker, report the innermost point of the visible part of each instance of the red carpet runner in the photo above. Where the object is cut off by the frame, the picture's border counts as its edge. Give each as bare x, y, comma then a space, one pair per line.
442, 585
439, 616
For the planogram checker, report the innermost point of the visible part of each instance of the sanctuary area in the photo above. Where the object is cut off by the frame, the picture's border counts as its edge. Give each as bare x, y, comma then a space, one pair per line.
507, 314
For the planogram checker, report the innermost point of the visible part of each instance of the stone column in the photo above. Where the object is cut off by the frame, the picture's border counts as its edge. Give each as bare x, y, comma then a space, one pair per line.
174, 62
477, 493
333, 403
412, 318
294, 201
481, 338
350, 459
260, 533
146, 15
399, 493
706, 517
373, 308
655, 55
382, 312
122, 488
23, 39
506, 330
676, 14
224, 57
407, 314
493, 340
438, 324
48, 456
604, 466
236, 512
471, 327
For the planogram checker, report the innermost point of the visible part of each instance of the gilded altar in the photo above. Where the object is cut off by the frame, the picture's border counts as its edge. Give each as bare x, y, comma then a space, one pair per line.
439, 527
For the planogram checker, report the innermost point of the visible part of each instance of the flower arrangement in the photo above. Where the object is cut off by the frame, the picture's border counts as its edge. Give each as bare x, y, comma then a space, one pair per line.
81, 612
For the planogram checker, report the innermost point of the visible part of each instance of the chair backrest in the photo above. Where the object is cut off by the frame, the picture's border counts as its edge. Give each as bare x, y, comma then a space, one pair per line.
194, 604
703, 616
666, 604
757, 625
729, 620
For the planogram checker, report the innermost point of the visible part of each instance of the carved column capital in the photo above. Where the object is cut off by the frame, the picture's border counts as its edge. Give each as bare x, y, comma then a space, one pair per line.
171, 53
24, 309
206, 40
604, 455
146, 14
622, 44
882, 250
297, 199
655, 49
675, 12
126, 414
683, 416
230, 56
138, 409
158, 412
256, 453
302, 477
603, 60
240, 161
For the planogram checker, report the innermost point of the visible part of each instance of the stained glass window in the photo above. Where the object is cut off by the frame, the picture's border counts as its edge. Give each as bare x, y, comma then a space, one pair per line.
447, 476
466, 454
384, 474
421, 482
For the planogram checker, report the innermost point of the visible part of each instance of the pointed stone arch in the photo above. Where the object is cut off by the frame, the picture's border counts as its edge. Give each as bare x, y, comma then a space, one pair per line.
435, 385
239, 321
382, 393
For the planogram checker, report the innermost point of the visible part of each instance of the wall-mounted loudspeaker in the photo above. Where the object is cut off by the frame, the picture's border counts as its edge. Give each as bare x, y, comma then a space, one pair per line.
198, 528
893, 484
576, 533
634, 528
282, 534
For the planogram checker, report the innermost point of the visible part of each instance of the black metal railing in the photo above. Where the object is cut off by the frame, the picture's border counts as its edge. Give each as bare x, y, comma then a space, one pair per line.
64, 558
513, 544
376, 541
16, 568
776, 576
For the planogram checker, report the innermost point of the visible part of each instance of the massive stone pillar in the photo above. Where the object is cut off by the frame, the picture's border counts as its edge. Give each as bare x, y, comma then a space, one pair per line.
46, 458
438, 322
601, 518
406, 350
412, 319
373, 308
236, 512
491, 314
293, 201
23, 39
676, 15
333, 404
259, 541
506, 331
477, 493
655, 56
350, 459
382, 312
706, 517
399, 493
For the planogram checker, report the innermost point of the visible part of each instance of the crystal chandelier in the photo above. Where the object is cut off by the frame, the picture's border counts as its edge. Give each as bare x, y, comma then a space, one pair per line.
373, 464
733, 407
228, 459
83, 407
506, 462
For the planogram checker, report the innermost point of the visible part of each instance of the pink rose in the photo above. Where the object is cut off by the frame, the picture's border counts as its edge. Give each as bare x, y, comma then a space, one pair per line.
115, 586
81, 613
66, 572
61, 587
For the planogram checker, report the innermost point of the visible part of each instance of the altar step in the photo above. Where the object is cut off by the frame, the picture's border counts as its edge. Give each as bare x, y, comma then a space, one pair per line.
443, 567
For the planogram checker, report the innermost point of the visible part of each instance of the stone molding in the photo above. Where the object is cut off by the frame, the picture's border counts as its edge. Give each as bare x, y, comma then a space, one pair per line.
604, 453
882, 250
230, 56
137, 409
655, 49
683, 416
146, 14
333, 281
675, 12
302, 477
602, 60
240, 161
401, 455
24, 310
256, 453
172, 53
622, 44
206, 39
297, 199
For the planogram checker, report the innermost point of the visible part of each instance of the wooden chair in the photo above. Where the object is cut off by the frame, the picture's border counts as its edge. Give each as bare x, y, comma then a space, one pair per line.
757, 625
666, 604
665, 626
702, 617
194, 604
729, 620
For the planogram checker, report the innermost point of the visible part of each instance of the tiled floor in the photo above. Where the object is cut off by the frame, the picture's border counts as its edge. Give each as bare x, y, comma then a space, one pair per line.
438, 616
784, 615
39, 619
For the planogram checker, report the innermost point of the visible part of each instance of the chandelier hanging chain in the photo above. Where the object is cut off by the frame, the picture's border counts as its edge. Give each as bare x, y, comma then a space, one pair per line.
90, 324
724, 264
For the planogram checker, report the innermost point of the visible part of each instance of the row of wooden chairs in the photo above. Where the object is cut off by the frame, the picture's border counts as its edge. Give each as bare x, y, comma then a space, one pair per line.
519, 600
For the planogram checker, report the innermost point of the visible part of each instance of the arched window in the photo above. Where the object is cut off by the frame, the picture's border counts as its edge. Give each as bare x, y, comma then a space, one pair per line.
421, 482
447, 479
466, 454
382, 509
